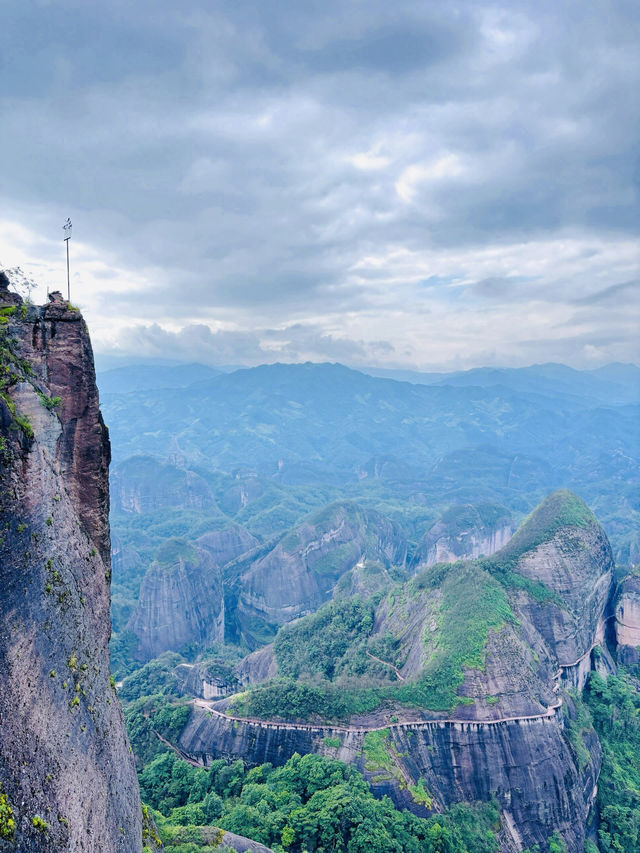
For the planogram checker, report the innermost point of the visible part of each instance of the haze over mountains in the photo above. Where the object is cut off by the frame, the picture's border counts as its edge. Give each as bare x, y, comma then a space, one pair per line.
507, 435
230, 490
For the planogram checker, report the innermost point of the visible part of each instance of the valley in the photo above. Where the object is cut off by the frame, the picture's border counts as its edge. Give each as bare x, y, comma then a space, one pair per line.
343, 604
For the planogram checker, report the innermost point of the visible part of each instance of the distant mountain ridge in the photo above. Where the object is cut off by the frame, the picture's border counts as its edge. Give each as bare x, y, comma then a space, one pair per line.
335, 416
616, 382
298, 426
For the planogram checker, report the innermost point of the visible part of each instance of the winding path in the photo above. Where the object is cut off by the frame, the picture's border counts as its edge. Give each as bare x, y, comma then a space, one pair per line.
405, 724
386, 663
402, 725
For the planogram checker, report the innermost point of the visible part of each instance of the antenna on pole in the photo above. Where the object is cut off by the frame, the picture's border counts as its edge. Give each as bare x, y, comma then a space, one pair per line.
66, 228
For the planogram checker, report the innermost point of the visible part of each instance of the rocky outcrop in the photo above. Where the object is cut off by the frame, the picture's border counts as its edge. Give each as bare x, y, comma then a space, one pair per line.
228, 543
241, 844
465, 532
576, 564
627, 620
181, 599
219, 839
258, 666
512, 733
206, 681
300, 572
65, 763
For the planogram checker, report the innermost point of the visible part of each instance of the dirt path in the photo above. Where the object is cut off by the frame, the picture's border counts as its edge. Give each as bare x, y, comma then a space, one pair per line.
386, 663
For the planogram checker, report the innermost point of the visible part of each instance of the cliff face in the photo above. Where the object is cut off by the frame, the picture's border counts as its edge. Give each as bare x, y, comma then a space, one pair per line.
181, 597
577, 566
65, 764
529, 766
180, 601
464, 532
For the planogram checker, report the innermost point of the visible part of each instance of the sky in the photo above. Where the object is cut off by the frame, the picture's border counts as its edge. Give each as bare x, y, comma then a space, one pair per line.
435, 186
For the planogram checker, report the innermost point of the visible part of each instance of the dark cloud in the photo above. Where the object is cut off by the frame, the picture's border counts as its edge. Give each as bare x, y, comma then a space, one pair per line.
251, 158
626, 292
494, 287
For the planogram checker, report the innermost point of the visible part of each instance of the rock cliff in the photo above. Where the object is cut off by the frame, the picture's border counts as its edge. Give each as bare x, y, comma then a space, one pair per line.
301, 571
529, 766
181, 599
65, 763
627, 619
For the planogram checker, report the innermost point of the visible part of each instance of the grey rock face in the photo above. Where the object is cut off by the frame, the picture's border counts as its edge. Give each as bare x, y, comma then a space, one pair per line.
198, 680
181, 597
227, 544
577, 565
465, 532
180, 602
65, 763
258, 666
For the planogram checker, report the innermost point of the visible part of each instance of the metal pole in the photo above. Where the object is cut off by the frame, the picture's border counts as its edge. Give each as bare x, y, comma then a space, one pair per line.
68, 281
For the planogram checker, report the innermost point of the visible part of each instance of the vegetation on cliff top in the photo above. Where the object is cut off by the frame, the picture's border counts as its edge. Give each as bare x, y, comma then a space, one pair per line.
331, 660
13, 369
559, 510
463, 517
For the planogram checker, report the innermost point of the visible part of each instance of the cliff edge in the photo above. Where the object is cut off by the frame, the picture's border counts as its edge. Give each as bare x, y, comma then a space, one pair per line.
67, 776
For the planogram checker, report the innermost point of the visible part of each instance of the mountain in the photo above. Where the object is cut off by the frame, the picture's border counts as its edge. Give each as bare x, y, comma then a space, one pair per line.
181, 600
303, 514
147, 377
456, 684
613, 383
276, 441
300, 572
67, 778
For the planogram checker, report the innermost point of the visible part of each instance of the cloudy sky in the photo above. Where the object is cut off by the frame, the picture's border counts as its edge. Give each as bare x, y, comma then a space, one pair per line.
434, 185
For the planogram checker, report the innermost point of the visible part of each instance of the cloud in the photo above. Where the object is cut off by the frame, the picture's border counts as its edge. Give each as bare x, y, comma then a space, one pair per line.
443, 168
198, 342
627, 291
267, 165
